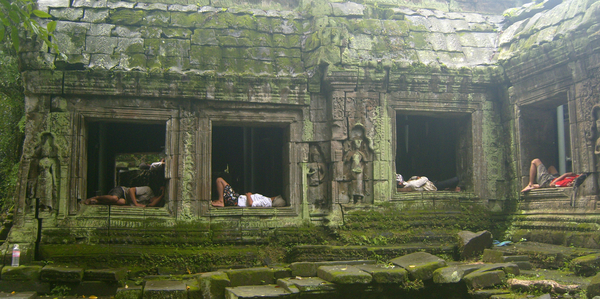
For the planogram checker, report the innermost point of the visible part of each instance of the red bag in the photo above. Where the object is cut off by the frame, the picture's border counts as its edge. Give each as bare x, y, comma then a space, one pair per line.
566, 181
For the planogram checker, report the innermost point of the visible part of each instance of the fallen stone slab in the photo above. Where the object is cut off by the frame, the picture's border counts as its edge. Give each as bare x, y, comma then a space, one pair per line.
25, 286
545, 286
309, 269
593, 289
492, 256
587, 265
454, 273
289, 286
420, 265
61, 274
109, 275
95, 288
385, 274
311, 284
344, 275
193, 288
508, 268
19, 295
261, 291
484, 279
213, 285
256, 276
26, 273
473, 244
129, 292
172, 289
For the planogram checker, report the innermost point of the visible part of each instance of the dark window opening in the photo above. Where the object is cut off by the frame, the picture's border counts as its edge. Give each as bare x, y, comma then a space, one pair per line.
118, 153
436, 147
545, 134
250, 159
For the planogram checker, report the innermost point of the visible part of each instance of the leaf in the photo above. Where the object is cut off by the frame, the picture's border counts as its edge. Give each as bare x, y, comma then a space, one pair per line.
51, 26
14, 16
15, 38
1, 32
41, 14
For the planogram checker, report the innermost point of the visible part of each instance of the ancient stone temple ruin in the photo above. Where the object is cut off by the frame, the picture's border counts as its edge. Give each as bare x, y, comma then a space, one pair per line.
322, 102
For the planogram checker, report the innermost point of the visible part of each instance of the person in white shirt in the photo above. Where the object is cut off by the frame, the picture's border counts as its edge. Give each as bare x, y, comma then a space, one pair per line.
228, 197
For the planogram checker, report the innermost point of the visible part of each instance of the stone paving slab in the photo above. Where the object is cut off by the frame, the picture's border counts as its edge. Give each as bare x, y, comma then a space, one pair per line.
311, 284
384, 273
20, 295
344, 274
309, 269
165, 289
263, 291
420, 265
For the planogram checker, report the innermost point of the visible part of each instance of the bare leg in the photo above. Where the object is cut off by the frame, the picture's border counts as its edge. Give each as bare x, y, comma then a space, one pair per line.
105, 200
221, 183
552, 169
249, 201
533, 175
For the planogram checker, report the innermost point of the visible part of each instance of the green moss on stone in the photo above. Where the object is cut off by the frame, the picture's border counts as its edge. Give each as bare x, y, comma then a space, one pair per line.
127, 16
182, 19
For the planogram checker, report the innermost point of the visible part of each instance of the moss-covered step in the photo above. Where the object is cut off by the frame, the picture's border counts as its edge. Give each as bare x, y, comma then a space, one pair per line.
263, 291
344, 274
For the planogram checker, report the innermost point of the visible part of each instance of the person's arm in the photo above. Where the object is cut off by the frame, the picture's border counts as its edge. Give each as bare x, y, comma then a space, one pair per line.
249, 200
560, 178
133, 198
157, 199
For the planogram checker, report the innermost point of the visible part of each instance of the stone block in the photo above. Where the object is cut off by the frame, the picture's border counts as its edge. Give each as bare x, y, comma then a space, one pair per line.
420, 265
213, 285
455, 273
587, 265
344, 274
266, 291
472, 244
61, 274
8, 286
251, 276
311, 284
484, 279
492, 256
305, 269
134, 292
109, 275
165, 289
21, 273
385, 274
193, 288
95, 288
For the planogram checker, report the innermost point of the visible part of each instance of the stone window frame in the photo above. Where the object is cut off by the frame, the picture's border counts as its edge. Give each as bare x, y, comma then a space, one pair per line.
118, 114
291, 120
410, 106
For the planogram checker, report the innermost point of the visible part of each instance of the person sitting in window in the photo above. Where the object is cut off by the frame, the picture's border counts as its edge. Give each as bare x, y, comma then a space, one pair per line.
135, 196
542, 177
228, 198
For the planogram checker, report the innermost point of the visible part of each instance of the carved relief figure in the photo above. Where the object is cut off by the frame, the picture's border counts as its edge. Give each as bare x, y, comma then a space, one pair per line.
356, 157
316, 166
44, 175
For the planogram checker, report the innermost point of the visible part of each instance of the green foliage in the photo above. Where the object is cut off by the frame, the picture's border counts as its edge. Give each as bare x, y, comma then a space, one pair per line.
11, 137
20, 14
60, 290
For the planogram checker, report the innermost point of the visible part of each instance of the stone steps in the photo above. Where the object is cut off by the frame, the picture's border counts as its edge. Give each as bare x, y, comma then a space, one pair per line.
548, 215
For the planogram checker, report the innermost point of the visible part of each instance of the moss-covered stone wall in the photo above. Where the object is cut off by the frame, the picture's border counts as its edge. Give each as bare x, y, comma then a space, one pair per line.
335, 76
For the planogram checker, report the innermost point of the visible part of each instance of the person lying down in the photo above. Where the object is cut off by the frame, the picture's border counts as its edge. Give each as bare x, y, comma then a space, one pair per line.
228, 198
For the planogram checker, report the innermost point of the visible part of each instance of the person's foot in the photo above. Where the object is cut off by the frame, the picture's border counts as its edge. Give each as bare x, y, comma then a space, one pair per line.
528, 188
90, 201
218, 203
